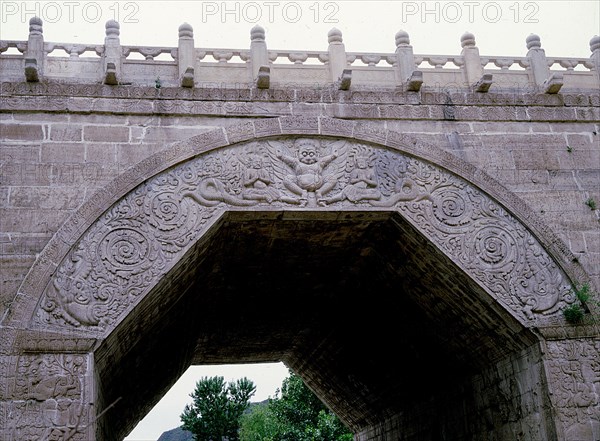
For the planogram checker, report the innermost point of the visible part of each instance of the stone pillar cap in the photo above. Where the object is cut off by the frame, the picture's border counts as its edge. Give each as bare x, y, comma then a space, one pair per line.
334, 36
402, 38
533, 41
112, 28
467, 39
35, 25
595, 43
186, 30
257, 33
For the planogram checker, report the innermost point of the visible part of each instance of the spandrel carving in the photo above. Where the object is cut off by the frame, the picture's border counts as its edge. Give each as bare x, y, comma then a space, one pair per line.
401, 179
127, 251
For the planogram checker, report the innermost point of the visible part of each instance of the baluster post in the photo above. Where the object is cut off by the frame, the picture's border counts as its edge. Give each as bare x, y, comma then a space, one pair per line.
407, 75
112, 57
259, 55
595, 57
538, 65
185, 55
337, 54
405, 57
472, 68
543, 79
35, 57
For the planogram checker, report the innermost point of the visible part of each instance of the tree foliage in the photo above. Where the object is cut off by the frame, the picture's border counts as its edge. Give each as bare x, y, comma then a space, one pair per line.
298, 415
258, 424
215, 412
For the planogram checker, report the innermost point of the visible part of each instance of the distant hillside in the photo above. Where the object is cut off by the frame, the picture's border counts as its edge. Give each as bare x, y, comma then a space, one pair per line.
177, 434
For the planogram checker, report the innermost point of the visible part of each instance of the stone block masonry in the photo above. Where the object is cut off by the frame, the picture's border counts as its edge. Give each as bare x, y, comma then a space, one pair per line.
448, 212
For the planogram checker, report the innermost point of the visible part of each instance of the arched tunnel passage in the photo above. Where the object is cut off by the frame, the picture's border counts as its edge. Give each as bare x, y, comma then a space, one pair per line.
380, 324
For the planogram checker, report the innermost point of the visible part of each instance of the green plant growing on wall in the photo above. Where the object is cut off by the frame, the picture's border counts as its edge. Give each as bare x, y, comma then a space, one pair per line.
575, 313
569, 149
591, 203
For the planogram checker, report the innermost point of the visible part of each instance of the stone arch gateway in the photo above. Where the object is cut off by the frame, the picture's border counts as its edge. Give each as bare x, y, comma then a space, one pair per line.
403, 230
380, 244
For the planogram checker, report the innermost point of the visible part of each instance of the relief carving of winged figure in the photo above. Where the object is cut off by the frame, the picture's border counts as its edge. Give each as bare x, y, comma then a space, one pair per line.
362, 183
311, 171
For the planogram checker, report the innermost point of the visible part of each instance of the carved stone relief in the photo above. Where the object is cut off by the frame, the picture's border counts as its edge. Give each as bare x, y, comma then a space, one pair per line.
45, 397
574, 373
140, 238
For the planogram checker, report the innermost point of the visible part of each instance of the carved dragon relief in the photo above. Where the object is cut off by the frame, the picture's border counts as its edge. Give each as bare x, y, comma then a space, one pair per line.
140, 238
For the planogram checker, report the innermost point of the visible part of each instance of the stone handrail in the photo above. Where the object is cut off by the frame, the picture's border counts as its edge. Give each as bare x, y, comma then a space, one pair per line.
187, 66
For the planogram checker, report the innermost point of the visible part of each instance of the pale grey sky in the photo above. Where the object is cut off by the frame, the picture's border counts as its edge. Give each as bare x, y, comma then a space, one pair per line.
165, 415
435, 27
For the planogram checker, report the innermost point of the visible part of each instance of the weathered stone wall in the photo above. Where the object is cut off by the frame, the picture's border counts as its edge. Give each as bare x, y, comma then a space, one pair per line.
547, 155
62, 145
508, 401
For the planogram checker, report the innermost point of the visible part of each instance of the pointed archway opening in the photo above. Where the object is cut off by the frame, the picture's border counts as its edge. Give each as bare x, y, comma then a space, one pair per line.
379, 322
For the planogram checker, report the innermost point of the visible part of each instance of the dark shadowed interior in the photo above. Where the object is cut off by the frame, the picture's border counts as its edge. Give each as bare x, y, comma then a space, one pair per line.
378, 322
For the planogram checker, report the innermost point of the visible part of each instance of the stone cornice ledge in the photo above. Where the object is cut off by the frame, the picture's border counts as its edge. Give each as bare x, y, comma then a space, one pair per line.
356, 104
570, 331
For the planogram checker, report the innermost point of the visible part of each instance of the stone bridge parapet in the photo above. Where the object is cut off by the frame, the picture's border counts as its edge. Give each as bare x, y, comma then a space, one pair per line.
257, 66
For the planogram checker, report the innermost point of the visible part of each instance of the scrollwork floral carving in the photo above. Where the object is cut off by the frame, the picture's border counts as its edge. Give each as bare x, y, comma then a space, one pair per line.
126, 252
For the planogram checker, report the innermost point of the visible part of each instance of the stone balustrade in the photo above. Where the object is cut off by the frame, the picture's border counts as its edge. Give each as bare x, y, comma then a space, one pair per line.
188, 66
